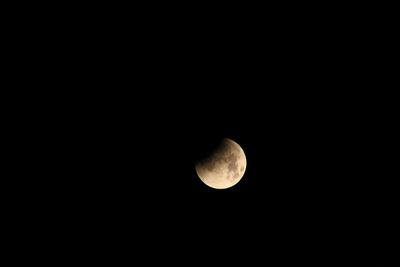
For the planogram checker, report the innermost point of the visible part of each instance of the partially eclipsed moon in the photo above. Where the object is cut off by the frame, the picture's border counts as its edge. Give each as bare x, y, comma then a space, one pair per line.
224, 167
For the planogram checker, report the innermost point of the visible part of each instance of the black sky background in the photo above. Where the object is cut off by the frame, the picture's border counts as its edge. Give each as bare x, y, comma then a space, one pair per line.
315, 186
141, 100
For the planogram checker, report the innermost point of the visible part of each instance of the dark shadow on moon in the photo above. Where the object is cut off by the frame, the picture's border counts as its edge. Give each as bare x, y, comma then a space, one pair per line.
224, 155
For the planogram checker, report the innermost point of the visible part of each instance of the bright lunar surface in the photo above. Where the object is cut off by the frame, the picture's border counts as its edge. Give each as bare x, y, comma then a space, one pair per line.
224, 167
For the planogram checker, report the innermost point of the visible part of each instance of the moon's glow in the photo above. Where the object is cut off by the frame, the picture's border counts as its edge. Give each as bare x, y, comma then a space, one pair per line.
224, 167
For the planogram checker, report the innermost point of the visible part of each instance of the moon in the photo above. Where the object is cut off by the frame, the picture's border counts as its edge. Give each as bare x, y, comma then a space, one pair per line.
224, 167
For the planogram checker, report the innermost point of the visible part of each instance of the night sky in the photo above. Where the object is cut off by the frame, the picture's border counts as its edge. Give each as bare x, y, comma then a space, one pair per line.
315, 188
300, 101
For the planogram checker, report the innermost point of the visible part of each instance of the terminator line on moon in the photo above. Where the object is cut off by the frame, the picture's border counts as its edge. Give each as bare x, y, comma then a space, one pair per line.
225, 167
